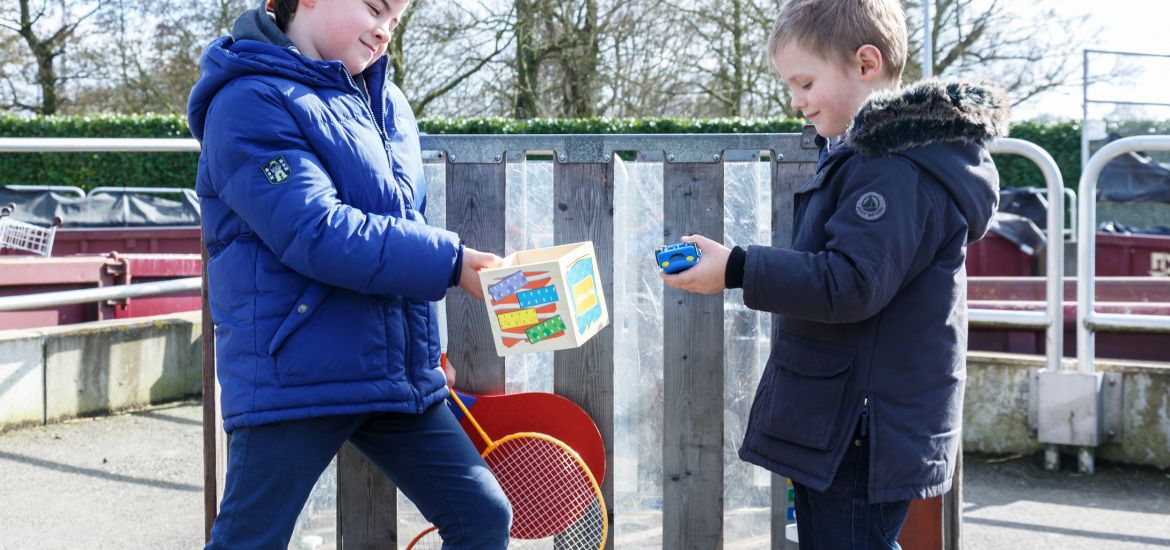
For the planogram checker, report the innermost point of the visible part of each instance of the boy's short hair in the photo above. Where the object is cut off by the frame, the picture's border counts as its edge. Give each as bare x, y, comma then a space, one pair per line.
834, 29
284, 10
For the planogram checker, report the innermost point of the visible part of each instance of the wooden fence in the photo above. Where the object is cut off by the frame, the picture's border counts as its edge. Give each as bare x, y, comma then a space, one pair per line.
583, 196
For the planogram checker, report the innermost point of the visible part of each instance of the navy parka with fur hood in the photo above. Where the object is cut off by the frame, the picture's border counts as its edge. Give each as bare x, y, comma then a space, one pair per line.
322, 268
872, 325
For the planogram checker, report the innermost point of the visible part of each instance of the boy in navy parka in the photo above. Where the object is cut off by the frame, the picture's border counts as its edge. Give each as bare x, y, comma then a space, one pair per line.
861, 399
323, 274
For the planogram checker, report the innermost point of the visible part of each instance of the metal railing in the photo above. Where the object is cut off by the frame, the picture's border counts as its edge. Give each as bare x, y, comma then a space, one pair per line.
64, 189
1051, 319
1089, 321
89, 295
97, 145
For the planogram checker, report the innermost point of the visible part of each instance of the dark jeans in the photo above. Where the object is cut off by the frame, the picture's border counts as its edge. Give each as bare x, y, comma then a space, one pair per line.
272, 468
842, 517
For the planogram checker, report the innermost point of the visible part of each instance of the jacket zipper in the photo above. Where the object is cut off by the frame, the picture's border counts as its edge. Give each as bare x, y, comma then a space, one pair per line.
381, 134
865, 417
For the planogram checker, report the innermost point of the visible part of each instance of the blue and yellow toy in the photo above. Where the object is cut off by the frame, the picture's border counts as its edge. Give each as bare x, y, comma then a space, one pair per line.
677, 257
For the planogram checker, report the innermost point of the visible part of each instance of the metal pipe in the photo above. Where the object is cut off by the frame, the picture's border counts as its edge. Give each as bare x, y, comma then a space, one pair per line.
98, 145
1007, 318
1087, 319
927, 41
1084, 109
1128, 322
70, 189
87, 295
1054, 269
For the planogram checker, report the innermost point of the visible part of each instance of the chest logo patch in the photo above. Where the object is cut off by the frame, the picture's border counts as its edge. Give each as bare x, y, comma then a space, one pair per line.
276, 170
871, 206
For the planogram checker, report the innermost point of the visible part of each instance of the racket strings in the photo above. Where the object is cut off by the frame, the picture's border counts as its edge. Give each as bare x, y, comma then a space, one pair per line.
552, 494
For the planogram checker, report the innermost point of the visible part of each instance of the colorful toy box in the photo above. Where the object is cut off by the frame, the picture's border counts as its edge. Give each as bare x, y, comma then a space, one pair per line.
545, 299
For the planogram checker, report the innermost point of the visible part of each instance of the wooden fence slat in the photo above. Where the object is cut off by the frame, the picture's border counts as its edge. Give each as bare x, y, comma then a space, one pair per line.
367, 504
475, 210
692, 504
211, 451
952, 508
786, 178
583, 196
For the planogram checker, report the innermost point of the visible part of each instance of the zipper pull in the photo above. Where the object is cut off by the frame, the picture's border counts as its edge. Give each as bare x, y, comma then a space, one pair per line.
865, 417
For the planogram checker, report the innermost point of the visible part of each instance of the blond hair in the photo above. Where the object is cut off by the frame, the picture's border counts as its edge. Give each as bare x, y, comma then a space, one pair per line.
835, 29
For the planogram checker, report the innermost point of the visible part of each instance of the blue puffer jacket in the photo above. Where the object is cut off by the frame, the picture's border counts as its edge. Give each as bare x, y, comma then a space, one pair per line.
872, 325
322, 269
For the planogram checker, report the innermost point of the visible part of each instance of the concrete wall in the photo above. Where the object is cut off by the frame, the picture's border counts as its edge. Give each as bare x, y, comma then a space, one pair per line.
22, 378
55, 373
996, 408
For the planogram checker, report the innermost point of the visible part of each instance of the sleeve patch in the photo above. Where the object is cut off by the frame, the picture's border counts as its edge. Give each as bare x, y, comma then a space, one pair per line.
871, 206
276, 170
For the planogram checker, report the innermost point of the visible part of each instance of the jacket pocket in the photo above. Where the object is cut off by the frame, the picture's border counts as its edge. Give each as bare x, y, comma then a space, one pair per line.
331, 335
808, 383
305, 307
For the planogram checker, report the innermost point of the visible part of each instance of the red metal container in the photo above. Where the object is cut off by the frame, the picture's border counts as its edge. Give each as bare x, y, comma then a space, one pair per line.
21, 275
1141, 295
1137, 255
996, 256
133, 240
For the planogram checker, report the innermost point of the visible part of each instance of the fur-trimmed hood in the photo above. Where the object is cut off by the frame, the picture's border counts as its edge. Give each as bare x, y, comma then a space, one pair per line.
928, 112
942, 127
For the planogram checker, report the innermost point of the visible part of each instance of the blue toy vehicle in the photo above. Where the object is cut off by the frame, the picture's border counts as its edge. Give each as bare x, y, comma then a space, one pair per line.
677, 257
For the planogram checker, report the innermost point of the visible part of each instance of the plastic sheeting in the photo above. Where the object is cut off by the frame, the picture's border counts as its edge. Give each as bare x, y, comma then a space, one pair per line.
139, 209
638, 339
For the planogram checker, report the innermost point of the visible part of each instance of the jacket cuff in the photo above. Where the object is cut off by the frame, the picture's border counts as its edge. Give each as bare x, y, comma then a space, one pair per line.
458, 267
733, 276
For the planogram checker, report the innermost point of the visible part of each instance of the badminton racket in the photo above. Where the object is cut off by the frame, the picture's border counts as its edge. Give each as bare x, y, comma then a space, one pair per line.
553, 494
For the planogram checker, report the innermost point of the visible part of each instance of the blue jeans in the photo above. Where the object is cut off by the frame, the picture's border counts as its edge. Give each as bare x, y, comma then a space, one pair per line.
272, 468
842, 517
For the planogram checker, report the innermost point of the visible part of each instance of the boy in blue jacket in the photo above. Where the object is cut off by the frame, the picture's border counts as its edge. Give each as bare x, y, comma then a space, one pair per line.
323, 274
860, 403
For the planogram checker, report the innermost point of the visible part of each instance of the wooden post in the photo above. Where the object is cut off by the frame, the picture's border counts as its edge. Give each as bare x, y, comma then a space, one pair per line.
786, 178
583, 198
476, 200
693, 375
367, 505
210, 415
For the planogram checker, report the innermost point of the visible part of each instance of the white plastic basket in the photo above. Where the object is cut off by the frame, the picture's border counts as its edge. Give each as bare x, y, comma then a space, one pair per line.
18, 235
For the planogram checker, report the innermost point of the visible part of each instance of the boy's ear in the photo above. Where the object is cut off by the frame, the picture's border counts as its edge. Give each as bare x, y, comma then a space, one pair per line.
869, 60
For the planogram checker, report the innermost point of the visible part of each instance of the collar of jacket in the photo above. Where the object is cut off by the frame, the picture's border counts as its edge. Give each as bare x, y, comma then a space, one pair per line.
925, 113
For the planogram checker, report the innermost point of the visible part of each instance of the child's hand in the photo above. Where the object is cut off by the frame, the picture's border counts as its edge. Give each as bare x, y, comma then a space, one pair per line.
448, 371
473, 261
709, 276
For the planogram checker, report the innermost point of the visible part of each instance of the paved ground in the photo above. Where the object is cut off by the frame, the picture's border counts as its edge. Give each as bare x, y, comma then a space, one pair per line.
134, 481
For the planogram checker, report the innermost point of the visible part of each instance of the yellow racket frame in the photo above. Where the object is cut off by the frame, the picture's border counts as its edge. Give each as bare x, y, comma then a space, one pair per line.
493, 445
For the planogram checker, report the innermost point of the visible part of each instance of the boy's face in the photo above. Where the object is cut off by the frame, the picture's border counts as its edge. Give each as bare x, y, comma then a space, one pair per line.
354, 32
828, 94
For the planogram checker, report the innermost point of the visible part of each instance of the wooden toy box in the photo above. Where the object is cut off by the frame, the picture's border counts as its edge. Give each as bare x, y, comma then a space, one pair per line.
545, 299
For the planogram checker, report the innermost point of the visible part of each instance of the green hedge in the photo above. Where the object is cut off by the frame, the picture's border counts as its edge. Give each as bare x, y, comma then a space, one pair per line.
1061, 140
87, 170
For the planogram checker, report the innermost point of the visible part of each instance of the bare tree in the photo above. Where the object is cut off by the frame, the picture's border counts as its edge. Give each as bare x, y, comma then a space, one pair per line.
559, 54
1026, 47
730, 72
440, 46
47, 30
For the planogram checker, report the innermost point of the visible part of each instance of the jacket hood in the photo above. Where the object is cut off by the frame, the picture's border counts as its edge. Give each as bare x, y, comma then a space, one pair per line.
258, 47
942, 127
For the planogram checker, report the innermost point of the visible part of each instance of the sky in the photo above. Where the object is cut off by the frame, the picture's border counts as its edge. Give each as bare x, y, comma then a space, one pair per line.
1127, 25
